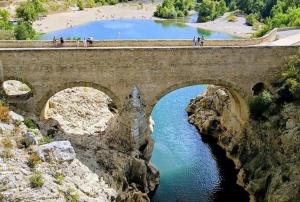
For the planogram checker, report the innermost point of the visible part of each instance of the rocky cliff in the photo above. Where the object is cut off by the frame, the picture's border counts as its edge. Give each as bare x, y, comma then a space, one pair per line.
87, 151
266, 152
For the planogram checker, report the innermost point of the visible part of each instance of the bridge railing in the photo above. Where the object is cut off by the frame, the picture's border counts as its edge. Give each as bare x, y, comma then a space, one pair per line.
269, 37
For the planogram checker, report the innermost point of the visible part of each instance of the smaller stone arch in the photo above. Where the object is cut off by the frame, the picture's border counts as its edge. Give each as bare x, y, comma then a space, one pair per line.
22, 97
43, 101
258, 88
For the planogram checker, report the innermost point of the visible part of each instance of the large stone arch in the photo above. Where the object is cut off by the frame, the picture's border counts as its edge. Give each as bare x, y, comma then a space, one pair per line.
237, 95
41, 105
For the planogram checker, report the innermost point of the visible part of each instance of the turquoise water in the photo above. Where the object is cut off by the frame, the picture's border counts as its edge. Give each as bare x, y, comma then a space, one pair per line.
188, 168
134, 29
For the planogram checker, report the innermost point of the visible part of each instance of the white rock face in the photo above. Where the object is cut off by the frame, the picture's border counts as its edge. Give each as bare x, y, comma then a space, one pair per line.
80, 110
56, 151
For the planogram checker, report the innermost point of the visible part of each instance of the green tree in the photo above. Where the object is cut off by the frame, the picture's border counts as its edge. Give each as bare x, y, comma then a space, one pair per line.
23, 30
30, 10
80, 5
4, 20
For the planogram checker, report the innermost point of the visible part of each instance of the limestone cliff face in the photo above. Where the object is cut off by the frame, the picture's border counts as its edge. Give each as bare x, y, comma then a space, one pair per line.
265, 152
118, 148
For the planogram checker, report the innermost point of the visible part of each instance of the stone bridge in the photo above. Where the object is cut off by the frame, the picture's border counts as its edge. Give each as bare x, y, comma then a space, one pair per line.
154, 70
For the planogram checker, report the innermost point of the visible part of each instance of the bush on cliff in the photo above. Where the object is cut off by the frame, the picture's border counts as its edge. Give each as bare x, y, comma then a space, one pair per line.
260, 104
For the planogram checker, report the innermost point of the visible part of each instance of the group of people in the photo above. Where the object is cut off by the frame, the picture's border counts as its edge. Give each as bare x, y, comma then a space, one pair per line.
198, 41
60, 42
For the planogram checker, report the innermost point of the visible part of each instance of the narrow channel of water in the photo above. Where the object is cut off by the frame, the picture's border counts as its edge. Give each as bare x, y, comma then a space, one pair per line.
191, 169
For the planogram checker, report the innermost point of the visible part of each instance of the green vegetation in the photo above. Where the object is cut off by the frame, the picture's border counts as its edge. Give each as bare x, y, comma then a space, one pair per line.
45, 140
174, 8
260, 104
7, 154
4, 113
33, 160
6, 143
26, 13
30, 123
211, 9
30, 10
231, 18
36, 180
290, 87
287, 90
80, 5
58, 178
272, 13
72, 195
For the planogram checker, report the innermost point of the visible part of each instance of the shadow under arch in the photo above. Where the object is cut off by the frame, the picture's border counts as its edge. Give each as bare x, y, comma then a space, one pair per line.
237, 95
43, 101
26, 96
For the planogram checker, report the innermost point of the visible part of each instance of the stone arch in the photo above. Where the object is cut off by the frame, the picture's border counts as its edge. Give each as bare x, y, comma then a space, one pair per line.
43, 101
24, 97
237, 95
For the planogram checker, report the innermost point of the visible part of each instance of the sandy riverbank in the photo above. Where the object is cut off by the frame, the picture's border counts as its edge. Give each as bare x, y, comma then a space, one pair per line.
221, 24
130, 10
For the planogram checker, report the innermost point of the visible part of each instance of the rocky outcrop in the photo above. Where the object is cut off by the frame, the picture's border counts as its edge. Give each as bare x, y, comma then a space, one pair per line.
266, 152
119, 151
59, 177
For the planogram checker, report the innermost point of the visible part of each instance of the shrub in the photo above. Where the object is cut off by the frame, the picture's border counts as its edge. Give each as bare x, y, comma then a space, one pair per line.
174, 8
4, 114
33, 160
251, 19
72, 195
7, 154
260, 104
45, 140
58, 178
36, 180
23, 30
231, 18
30, 123
90, 3
6, 142
294, 87
80, 5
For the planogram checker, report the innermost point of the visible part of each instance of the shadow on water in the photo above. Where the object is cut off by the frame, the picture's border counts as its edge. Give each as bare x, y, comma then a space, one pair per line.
229, 190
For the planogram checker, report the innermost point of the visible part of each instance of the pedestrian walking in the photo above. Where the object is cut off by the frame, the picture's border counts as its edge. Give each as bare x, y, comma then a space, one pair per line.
198, 41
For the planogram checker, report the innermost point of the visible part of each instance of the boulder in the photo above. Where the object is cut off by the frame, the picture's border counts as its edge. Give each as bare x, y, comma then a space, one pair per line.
30, 139
16, 117
58, 151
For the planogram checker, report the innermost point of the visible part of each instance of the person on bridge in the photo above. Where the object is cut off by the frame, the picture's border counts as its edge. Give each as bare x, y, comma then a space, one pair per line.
54, 42
198, 41
202, 40
194, 41
61, 41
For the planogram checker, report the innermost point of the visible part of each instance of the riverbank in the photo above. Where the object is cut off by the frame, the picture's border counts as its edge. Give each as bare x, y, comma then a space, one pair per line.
237, 28
64, 20
133, 10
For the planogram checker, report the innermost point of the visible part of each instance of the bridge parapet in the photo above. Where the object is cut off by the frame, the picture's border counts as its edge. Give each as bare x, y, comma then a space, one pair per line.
271, 36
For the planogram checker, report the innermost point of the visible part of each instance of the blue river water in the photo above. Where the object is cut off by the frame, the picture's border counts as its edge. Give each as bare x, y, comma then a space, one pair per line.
192, 168
188, 169
134, 29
